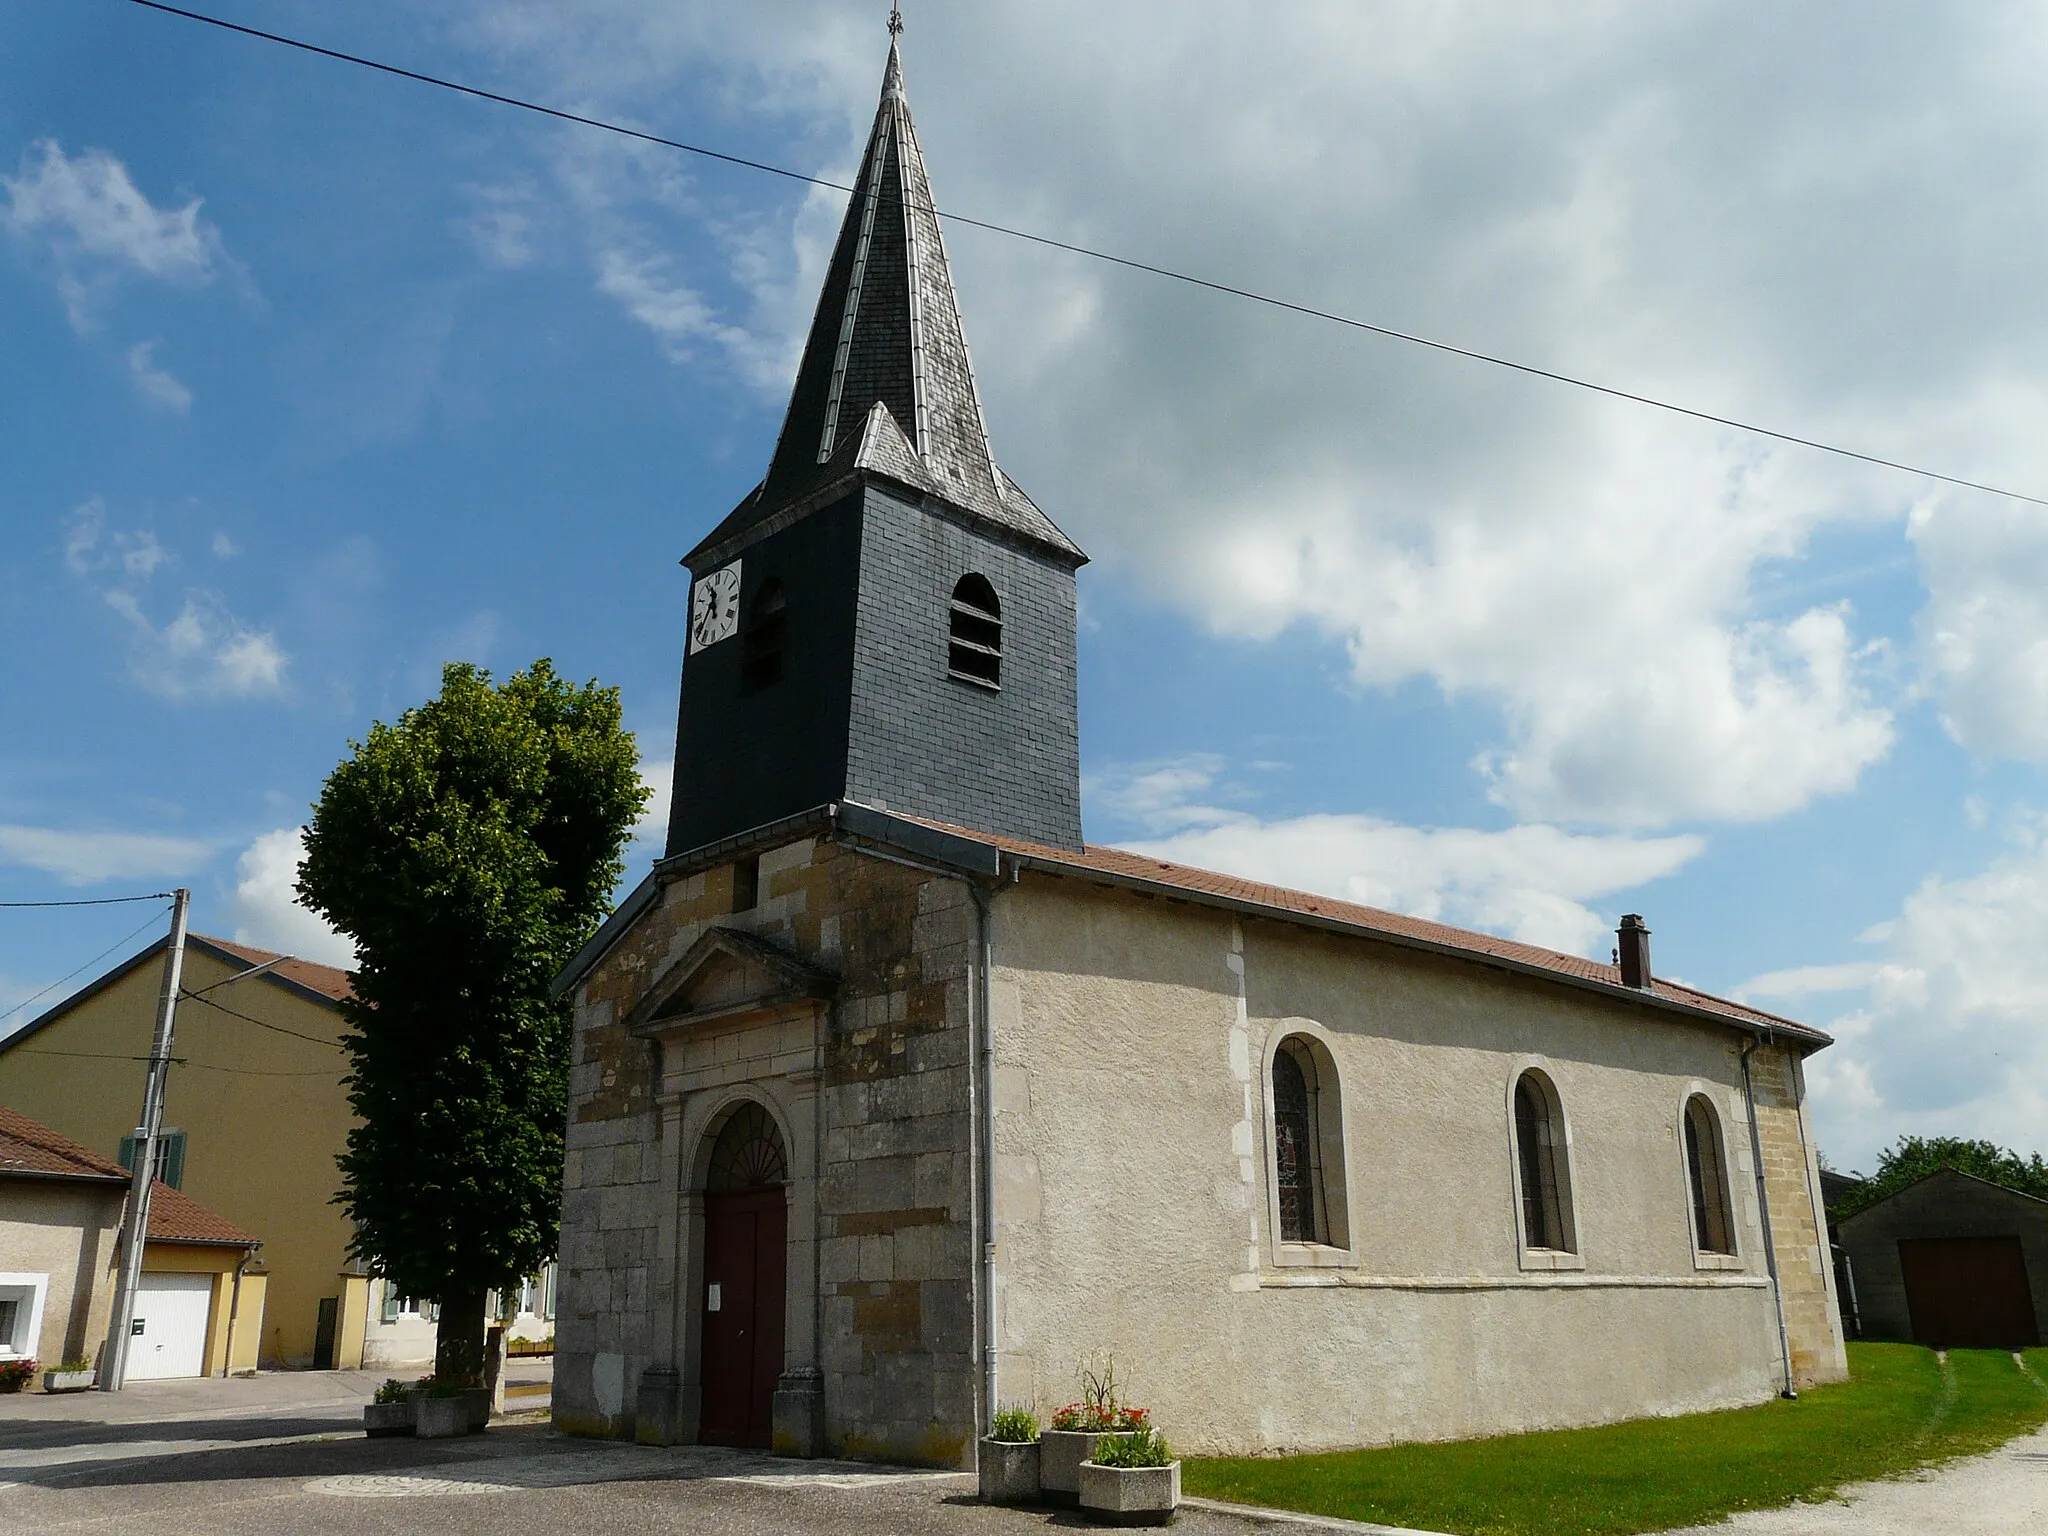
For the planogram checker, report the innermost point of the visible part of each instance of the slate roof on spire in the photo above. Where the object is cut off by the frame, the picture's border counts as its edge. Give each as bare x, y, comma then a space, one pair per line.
887, 337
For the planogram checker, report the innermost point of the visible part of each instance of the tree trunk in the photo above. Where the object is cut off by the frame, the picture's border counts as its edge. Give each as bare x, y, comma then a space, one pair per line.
459, 1339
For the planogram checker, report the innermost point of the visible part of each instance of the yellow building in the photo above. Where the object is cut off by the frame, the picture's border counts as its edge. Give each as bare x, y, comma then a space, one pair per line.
255, 1114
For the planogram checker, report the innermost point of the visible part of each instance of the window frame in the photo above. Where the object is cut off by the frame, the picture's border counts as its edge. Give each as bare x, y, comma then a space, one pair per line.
1330, 1115
1703, 1257
764, 636
28, 1290
1531, 1256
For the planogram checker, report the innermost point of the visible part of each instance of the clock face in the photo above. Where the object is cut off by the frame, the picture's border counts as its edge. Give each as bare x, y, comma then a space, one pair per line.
715, 607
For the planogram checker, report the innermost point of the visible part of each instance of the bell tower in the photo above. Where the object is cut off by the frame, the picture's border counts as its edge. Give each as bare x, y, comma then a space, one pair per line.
886, 618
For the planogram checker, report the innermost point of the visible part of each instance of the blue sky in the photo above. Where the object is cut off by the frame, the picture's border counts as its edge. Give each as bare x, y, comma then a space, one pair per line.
318, 379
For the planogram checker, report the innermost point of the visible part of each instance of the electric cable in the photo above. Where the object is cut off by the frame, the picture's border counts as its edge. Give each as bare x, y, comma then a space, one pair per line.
151, 922
102, 901
194, 997
1129, 263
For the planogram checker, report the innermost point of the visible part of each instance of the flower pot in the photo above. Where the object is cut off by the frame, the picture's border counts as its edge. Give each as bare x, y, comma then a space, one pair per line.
1060, 1454
380, 1419
68, 1381
1130, 1495
440, 1418
1009, 1472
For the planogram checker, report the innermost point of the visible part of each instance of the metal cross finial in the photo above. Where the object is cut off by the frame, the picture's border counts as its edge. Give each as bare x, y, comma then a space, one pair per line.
895, 20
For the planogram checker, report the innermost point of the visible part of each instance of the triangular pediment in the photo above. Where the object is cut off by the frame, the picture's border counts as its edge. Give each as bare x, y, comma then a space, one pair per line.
727, 973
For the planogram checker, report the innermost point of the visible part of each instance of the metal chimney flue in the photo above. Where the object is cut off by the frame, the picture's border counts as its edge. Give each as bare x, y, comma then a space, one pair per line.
1635, 952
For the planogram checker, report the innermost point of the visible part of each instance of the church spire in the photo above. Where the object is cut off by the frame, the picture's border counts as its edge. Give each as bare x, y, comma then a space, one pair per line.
886, 384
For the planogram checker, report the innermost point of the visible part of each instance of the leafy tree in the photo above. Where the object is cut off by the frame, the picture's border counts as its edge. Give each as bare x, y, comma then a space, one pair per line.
1911, 1158
469, 850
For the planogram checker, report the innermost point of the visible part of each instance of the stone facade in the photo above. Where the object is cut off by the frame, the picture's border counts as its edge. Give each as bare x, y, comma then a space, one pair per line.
869, 1090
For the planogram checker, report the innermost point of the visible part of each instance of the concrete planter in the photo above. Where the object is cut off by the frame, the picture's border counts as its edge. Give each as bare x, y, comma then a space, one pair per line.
67, 1381
1130, 1495
1060, 1454
478, 1401
1009, 1472
440, 1418
381, 1419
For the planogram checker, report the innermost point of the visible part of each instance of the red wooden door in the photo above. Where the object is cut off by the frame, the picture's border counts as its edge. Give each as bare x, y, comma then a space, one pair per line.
745, 1250
1968, 1292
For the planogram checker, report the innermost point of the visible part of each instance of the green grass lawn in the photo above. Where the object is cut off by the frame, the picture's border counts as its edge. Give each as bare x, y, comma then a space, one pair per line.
1900, 1409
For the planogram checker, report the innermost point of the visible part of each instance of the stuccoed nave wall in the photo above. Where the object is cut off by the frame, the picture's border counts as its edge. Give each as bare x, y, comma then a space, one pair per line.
1136, 1217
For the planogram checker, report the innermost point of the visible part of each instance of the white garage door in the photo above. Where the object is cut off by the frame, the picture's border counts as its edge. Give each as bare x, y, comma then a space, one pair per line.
169, 1334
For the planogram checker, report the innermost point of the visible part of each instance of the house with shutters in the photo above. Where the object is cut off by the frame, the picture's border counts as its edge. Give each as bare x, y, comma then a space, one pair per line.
892, 1097
199, 1306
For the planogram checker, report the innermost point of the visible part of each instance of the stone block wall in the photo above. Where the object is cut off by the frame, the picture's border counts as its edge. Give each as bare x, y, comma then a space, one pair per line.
1813, 1322
881, 1162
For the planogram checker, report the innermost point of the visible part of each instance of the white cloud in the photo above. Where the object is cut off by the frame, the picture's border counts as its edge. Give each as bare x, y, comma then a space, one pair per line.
224, 548
1951, 1038
266, 910
99, 225
204, 651
651, 830
157, 385
1530, 882
499, 226
1808, 981
88, 858
1984, 632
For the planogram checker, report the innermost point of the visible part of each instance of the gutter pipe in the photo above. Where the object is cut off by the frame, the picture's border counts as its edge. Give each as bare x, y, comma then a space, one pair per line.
1763, 1205
985, 1093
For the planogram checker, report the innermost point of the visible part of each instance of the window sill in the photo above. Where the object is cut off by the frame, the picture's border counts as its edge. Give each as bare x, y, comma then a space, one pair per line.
1551, 1258
1720, 1261
1313, 1256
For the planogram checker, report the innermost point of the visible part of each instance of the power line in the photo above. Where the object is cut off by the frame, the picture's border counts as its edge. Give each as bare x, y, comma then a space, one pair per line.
153, 919
1129, 263
194, 997
104, 901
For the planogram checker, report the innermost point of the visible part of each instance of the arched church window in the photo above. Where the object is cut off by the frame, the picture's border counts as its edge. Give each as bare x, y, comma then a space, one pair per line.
974, 652
748, 1152
1706, 1167
761, 645
1297, 1145
1543, 1169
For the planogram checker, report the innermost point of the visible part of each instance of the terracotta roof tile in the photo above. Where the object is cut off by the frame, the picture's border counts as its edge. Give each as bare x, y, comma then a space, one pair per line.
30, 1147
324, 979
175, 1217
1124, 865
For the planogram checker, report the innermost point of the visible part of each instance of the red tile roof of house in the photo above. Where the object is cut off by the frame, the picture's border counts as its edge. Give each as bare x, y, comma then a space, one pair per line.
29, 1147
324, 979
1124, 866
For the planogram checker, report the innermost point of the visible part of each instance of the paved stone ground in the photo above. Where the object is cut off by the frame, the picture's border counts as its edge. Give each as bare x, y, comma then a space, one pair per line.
286, 1452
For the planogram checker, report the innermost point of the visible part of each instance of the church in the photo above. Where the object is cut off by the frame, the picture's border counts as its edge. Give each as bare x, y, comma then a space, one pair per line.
893, 1099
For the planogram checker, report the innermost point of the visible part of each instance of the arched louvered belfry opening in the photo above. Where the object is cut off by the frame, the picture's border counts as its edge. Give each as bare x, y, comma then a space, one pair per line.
974, 634
746, 1267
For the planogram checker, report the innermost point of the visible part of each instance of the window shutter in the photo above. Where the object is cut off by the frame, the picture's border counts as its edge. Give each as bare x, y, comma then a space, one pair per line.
388, 1310
171, 1167
128, 1153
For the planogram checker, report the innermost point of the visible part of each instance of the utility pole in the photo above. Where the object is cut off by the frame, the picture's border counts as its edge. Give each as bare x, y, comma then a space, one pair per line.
135, 1230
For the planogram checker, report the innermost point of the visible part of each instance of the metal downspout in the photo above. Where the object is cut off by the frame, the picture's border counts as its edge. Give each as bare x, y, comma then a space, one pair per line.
986, 1173
1763, 1205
